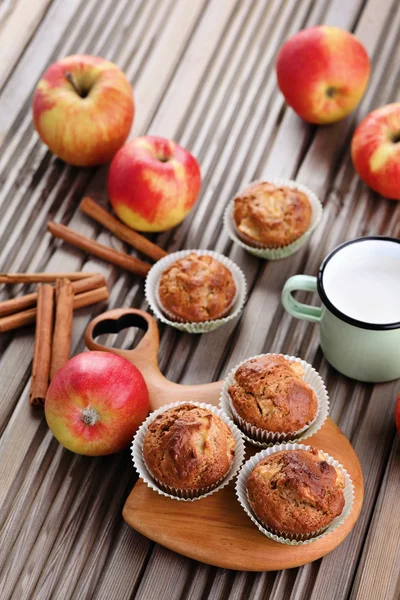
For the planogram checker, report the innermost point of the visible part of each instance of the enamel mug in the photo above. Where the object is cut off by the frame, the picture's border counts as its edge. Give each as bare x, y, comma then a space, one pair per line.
359, 286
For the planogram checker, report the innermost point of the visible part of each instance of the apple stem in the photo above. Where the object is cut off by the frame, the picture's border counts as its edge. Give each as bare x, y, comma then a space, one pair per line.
69, 77
89, 416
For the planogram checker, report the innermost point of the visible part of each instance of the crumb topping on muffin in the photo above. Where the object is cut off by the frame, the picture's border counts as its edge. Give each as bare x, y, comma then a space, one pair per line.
270, 393
197, 288
271, 216
296, 491
188, 447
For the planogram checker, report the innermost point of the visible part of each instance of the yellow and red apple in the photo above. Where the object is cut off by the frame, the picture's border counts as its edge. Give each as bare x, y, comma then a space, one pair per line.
153, 183
95, 403
323, 73
83, 109
375, 150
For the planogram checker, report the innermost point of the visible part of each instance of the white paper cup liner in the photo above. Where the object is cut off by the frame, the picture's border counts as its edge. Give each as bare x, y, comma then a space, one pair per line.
262, 438
284, 251
176, 493
153, 281
241, 493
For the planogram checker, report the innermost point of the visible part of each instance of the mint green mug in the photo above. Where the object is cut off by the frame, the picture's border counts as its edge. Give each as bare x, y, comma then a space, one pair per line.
359, 286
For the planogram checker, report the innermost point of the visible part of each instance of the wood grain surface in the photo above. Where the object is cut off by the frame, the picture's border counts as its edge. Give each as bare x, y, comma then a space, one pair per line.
203, 74
18, 20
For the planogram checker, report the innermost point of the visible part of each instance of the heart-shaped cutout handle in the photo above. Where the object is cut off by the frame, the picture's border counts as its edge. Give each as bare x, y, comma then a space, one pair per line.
106, 326
145, 358
145, 355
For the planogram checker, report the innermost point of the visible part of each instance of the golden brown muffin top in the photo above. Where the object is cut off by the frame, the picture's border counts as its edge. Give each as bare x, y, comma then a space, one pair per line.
270, 393
271, 216
197, 288
188, 447
296, 491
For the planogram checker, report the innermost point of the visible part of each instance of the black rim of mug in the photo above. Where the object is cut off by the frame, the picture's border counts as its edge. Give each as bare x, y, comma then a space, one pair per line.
328, 303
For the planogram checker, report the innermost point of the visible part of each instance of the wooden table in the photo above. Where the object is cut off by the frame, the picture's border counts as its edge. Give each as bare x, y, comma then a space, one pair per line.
203, 74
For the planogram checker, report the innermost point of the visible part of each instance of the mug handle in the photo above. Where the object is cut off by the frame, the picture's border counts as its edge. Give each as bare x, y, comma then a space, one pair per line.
298, 309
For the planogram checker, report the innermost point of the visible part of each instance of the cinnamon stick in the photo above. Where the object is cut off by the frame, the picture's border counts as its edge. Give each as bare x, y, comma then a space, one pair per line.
12, 278
63, 325
14, 305
43, 341
87, 298
121, 259
121, 231
27, 317
9, 307
91, 297
89, 283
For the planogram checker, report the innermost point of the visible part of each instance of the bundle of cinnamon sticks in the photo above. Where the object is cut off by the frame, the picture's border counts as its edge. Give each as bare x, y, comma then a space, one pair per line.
52, 308
88, 288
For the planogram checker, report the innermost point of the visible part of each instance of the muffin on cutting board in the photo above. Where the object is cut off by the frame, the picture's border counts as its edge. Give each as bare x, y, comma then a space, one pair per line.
268, 216
188, 447
196, 288
296, 493
270, 393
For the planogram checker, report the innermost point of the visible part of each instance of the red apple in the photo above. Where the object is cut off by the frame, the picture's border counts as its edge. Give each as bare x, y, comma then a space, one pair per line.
375, 150
83, 109
323, 73
95, 403
153, 183
397, 414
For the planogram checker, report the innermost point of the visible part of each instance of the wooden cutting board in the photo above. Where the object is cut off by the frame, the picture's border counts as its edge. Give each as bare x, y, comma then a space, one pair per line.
214, 530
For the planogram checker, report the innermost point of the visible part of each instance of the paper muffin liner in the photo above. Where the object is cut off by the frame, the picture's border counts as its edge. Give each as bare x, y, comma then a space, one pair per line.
178, 493
281, 537
261, 250
152, 297
263, 438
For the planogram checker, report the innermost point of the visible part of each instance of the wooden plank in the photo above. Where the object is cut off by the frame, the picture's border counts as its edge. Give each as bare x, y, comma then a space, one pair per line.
122, 572
18, 21
36, 512
48, 34
171, 578
381, 552
369, 442
78, 523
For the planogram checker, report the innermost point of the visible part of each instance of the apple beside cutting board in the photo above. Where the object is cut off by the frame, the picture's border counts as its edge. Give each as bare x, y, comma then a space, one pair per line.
96, 402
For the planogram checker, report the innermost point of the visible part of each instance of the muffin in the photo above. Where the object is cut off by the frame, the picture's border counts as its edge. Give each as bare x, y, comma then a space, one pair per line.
188, 448
196, 288
267, 216
296, 493
269, 393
